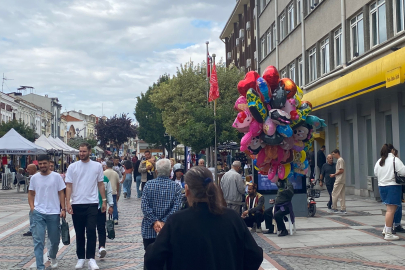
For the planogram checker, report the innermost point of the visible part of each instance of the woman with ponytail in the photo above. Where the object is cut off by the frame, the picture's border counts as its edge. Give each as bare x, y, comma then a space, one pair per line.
390, 191
205, 236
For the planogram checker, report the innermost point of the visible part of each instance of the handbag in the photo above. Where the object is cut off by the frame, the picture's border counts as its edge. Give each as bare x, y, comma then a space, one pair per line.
64, 231
399, 179
110, 228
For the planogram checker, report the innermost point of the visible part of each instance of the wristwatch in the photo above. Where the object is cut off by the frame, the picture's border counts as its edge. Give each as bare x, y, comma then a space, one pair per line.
104, 200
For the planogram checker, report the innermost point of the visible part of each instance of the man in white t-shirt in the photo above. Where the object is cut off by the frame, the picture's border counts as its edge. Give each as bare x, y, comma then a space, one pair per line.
46, 197
84, 179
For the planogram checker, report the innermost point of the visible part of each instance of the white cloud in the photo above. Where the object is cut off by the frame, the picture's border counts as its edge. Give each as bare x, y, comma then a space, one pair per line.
89, 53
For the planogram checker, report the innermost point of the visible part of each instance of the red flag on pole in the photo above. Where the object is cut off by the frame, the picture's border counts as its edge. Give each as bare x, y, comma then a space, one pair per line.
214, 92
209, 59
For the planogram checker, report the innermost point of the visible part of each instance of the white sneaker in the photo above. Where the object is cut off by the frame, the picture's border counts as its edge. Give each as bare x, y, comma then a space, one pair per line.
93, 265
80, 263
390, 237
54, 263
102, 252
383, 232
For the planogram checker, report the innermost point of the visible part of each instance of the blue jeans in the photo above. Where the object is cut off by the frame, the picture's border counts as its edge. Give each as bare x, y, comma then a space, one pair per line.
40, 223
115, 208
398, 216
138, 183
127, 185
30, 216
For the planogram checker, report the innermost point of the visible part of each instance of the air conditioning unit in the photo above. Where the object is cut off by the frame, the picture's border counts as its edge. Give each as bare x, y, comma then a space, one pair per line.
248, 26
229, 56
241, 34
248, 62
237, 42
242, 69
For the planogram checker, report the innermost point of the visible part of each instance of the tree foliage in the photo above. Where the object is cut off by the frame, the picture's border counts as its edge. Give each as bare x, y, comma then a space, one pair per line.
185, 114
19, 126
151, 128
75, 142
115, 130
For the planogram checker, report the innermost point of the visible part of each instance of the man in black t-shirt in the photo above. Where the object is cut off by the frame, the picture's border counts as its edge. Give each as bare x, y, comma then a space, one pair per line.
327, 169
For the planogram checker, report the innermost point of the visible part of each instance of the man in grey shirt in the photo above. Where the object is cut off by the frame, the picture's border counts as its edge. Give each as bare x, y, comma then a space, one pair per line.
233, 187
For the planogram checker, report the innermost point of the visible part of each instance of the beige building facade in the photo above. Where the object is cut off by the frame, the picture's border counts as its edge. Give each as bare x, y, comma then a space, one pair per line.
349, 59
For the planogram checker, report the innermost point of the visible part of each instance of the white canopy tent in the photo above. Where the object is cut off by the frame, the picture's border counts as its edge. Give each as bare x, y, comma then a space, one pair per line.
47, 144
13, 143
65, 149
75, 151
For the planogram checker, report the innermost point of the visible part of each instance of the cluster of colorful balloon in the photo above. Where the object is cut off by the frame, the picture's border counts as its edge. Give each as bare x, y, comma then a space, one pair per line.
276, 123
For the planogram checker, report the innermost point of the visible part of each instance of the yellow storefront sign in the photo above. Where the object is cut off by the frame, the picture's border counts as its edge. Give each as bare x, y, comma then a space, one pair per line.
363, 80
393, 77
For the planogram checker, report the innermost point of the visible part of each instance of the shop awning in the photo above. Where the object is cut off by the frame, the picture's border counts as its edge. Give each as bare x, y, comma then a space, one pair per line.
13, 143
384, 72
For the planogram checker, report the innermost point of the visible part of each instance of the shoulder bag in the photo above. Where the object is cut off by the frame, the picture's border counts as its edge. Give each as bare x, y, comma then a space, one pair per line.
399, 179
110, 228
64, 231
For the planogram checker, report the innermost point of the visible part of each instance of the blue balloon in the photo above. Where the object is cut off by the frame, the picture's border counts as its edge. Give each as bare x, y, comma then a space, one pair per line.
285, 131
264, 89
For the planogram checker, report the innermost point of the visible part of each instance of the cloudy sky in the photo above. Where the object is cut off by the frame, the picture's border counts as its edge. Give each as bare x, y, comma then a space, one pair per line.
94, 52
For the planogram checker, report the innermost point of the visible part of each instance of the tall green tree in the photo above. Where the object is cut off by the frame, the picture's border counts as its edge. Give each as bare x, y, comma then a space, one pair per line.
185, 113
19, 126
149, 117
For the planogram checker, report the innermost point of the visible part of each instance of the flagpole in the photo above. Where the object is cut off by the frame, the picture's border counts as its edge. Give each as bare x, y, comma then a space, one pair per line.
215, 128
207, 150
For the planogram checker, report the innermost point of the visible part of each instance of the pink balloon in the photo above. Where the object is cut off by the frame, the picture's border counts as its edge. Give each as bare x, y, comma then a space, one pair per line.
290, 106
241, 104
272, 172
281, 172
274, 179
243, 121
269, 127
255, 129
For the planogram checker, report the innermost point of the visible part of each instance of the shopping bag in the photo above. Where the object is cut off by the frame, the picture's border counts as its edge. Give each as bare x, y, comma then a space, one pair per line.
64, 231
110, 228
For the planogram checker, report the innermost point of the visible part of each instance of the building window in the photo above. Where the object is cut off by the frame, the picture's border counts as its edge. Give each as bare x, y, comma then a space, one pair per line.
292, 72
300, 71
378, 22
282, 22
357, 35
274, 36
263, 41
311, 5
284, 73
298, 11
312, 64
290, 18
325, 67
338, 47
399, 15
269, 44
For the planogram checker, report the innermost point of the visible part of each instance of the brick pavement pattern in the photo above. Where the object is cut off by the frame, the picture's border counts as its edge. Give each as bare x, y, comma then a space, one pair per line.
326, 241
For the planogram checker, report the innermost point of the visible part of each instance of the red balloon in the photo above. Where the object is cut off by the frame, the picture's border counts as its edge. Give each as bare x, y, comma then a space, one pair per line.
289, 87
248, 82
271, 76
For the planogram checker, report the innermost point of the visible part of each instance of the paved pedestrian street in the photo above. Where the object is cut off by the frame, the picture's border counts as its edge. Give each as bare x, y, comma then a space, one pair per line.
326, 241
